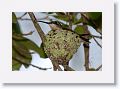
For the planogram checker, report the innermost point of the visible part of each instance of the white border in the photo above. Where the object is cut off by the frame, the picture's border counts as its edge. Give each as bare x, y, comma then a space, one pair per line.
104, 76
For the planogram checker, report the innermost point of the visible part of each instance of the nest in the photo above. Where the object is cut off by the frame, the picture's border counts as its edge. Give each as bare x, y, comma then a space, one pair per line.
60, 45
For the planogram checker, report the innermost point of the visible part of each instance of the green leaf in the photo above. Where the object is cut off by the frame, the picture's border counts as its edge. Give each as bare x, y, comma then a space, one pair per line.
15, 24
18, 37
42, 51
21, 49
15, 64
79, 30
62, 17
94, 15
64, 26
32, 46
14, 19
16, 28
78, 21
16, 53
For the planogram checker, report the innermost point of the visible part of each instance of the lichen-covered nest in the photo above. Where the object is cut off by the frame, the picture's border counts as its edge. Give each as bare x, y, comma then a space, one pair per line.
60, 45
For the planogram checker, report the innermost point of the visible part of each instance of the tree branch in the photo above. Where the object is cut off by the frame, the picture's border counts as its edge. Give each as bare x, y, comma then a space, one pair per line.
39, 19
30, 64
97, 42
67, 68
100, 37
22, 16
70, 20
99, 68
59, 68
37, 26
86, 50
29, 33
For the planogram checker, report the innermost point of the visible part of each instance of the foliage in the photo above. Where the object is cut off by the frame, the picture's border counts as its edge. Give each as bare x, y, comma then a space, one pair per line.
21, 46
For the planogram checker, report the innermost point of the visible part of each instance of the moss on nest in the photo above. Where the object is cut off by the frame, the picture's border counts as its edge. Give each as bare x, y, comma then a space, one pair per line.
61, 44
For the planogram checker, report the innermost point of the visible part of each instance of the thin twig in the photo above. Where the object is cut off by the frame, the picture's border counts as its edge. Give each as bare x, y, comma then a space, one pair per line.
24, 34
16, 36
22, 15
99, 68
67, 68
100, 37
29, 33
97, 42
30, 19
24, 19
70, 20
37, 26
29, 64
59, 68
